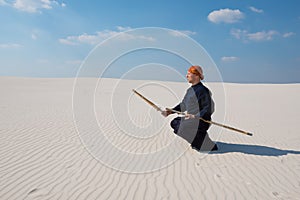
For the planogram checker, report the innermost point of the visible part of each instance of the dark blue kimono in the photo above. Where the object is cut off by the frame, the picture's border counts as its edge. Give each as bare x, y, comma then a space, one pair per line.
197, 101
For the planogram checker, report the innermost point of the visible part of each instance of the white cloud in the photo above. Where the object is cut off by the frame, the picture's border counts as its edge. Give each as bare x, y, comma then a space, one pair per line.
225, 15
68, 41
121, 28
258, 36
33, 36
229, 58
88, 39
253, 9
238, 33
32, 6
37, 33
289, 34
10, 46
3, 2
100, 36
262, 35
182, 33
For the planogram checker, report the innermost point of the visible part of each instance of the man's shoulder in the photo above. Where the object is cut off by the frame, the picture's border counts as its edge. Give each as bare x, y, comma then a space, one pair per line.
201, 89
200, 86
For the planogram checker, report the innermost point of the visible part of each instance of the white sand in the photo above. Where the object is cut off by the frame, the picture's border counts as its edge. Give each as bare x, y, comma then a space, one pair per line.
42, 155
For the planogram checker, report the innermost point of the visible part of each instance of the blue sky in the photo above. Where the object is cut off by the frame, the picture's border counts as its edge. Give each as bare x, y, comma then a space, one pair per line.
249, 41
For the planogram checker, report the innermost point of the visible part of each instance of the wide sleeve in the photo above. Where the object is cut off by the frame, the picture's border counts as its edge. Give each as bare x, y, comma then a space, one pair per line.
181, 107
206, 105
178, 107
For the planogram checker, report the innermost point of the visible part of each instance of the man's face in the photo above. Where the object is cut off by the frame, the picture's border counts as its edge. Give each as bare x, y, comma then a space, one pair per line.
192, 78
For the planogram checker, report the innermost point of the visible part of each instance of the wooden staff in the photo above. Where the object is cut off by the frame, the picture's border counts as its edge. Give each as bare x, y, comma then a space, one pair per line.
148, 101
182, 113
215, 123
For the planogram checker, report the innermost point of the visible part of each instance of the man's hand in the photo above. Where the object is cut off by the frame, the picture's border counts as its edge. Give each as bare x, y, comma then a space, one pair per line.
166, 113
189, 116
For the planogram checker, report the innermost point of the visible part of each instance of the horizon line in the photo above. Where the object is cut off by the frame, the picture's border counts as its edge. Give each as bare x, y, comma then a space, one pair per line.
74, 77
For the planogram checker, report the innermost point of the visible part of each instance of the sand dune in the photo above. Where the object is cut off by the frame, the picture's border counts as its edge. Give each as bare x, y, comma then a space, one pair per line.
114, 146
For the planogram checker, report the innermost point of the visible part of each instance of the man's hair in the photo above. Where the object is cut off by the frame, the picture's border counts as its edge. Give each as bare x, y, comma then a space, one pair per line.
197, 70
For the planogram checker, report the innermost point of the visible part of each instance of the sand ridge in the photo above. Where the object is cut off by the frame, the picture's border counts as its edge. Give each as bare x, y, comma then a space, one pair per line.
43, 157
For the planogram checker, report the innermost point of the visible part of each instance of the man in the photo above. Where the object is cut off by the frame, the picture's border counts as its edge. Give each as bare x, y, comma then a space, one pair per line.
197, 102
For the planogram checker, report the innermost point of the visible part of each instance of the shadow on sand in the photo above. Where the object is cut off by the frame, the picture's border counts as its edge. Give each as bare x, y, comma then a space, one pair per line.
251, 149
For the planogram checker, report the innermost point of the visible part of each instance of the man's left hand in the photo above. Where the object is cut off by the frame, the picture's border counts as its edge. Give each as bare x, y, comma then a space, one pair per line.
189, 116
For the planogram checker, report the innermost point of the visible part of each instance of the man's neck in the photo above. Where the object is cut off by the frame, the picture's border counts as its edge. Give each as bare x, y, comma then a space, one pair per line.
195, 83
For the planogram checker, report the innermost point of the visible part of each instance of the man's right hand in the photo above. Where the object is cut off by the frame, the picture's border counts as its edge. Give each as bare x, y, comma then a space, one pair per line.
166, 113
